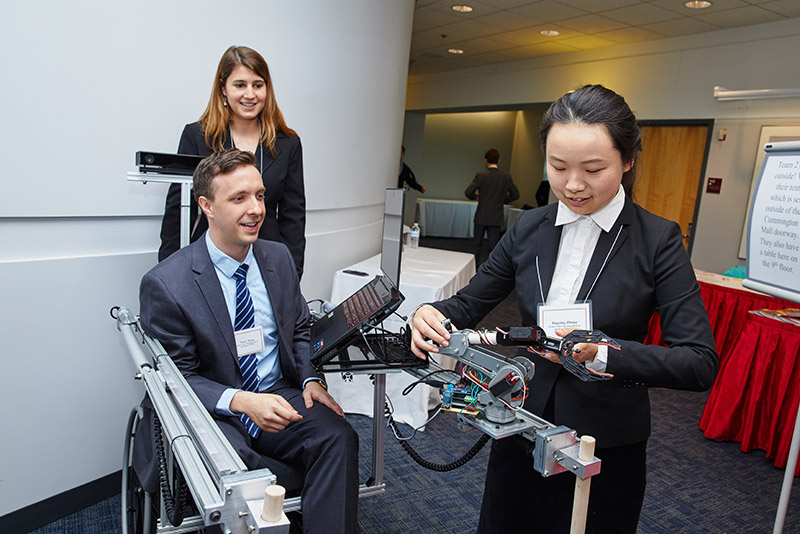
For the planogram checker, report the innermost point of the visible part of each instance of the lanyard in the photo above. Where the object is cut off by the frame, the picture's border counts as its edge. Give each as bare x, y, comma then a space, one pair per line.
259, 149
602, 267
605, 261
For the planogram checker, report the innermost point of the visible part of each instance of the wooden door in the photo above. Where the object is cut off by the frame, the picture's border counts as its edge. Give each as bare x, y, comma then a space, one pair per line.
669, 171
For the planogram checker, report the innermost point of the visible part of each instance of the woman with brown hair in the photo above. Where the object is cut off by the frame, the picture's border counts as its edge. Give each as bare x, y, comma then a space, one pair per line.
242, 113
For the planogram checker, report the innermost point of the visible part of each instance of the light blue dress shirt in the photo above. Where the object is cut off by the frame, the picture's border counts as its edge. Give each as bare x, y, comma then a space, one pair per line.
269, 368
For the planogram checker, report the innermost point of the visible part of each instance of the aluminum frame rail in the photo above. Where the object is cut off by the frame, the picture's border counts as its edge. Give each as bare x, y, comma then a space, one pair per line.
216, 477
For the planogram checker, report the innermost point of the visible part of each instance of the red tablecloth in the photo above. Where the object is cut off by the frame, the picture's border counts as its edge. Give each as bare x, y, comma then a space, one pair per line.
727, 309
755, 396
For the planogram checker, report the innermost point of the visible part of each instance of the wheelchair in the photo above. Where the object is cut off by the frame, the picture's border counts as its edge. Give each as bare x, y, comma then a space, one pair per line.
223, 491
146, 513
203, 484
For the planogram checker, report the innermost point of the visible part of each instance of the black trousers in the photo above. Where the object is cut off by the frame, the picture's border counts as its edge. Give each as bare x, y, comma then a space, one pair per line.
325, 444
517, 499
477, 239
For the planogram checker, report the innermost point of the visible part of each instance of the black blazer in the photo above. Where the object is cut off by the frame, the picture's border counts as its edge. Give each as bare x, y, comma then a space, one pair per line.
285, 220
494, 188
407, 177
648, 270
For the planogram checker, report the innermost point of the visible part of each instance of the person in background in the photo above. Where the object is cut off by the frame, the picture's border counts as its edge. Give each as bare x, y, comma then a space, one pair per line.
543, 191
594, 245
407, 175
242, 113
493, 189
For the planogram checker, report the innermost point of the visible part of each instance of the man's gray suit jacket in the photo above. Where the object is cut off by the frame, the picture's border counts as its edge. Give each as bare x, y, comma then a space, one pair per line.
182, 305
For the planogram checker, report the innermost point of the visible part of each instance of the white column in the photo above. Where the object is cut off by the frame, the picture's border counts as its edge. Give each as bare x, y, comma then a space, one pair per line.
88, 85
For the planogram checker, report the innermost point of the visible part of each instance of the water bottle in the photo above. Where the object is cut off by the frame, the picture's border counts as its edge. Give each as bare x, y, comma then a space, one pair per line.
414, 239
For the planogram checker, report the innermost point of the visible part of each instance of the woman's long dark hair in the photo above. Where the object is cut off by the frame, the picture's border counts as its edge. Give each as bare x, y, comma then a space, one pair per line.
595, 104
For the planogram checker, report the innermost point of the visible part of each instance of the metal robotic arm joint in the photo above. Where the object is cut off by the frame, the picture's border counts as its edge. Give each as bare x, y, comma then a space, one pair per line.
492, 390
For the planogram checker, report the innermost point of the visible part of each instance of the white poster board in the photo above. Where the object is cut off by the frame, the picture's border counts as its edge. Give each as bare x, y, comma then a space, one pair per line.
769, 135
773, 234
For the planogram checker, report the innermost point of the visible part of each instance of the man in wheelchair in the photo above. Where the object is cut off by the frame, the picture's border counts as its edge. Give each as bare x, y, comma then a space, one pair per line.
229, 312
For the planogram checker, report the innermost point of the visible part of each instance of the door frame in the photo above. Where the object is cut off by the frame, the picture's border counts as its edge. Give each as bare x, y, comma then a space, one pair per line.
700, 182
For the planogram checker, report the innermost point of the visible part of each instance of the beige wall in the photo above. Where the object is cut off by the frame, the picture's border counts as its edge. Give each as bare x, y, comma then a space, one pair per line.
445, 150
454, 145
527, 159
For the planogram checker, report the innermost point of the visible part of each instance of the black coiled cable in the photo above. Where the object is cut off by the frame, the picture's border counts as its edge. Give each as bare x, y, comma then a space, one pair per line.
442, 468
173, 505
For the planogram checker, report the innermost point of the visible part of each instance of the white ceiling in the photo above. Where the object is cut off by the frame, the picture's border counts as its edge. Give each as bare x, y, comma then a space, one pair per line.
508, 30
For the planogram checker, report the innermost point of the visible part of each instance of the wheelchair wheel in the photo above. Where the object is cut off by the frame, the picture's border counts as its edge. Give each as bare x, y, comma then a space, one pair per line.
142, 515
139, 512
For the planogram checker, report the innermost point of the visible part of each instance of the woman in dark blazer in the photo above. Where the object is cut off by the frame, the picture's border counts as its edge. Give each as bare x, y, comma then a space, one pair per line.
594, 245
242, 112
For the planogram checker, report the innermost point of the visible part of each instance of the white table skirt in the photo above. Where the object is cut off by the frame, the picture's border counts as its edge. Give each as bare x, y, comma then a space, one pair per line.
446, 218
453, 218
427, 275
512, 214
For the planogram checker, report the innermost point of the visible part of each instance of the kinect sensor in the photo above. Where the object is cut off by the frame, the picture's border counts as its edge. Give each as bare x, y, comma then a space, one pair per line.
157, 162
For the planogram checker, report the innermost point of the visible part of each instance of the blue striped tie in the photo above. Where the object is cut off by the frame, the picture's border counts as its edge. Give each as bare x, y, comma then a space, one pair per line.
245, 318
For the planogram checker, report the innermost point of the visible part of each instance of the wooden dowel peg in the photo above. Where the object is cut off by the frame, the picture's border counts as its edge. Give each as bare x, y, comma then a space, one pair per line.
580, 504
272, 510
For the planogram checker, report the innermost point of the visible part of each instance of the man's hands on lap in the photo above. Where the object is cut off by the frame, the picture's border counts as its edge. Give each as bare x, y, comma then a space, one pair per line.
271, 413
315, 392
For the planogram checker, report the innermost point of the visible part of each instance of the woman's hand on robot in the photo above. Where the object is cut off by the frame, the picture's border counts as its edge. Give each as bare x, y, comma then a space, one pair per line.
582, 352
427, 331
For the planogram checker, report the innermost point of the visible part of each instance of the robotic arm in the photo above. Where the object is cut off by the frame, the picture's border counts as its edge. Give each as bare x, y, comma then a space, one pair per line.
537, 341
490, 384
491, 390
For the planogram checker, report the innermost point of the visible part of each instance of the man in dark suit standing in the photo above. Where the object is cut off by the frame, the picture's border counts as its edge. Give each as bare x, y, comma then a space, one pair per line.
229, 311
492, 188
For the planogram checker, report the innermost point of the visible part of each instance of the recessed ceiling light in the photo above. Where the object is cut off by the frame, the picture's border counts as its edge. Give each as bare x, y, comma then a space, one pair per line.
697, 4
455, 51
462, 8
550, 33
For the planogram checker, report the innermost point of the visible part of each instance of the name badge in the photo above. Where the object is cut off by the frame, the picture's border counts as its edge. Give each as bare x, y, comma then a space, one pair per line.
249, 341
577, 316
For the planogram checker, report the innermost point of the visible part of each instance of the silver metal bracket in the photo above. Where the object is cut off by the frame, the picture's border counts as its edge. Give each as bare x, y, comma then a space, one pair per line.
556, 451
497, 430
568, 458
547, 443
239, 488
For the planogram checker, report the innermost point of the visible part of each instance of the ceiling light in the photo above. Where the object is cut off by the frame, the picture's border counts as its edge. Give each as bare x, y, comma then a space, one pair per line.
462, 8
455, 51
550, 33
721, 94
697, 4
